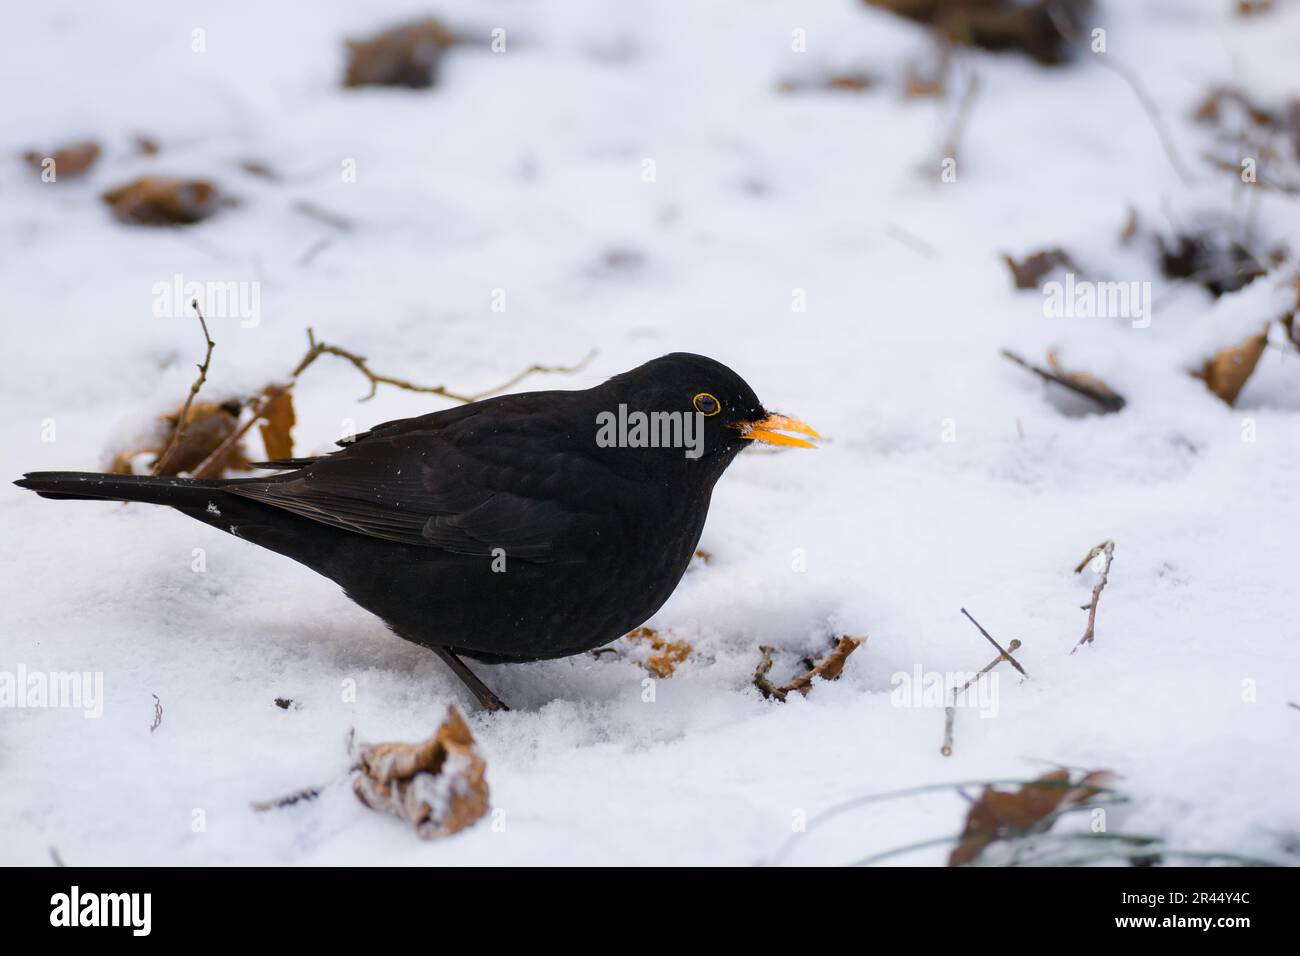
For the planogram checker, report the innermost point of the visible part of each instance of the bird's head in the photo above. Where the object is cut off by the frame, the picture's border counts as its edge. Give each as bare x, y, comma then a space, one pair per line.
696, 404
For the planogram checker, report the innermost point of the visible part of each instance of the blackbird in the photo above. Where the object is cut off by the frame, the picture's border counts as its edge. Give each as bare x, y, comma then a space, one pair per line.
517, 528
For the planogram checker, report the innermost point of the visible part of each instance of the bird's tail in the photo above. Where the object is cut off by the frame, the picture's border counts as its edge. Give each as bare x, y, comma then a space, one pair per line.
86, 485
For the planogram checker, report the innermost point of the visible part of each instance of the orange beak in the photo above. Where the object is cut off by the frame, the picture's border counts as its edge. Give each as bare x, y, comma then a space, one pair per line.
769, 430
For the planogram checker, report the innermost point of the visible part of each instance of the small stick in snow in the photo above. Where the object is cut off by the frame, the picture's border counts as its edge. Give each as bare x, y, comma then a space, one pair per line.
1001, 650
829, 669
288, 800
950, 712
54, 855
1109, 400
183, 422
1106, 548
157, 714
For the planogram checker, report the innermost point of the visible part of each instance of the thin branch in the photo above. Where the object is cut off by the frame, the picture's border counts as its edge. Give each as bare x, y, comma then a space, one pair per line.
210, 466
169, 453
359, 362
157, 714
1001, 650
1106, 548
1109, 401
950, 712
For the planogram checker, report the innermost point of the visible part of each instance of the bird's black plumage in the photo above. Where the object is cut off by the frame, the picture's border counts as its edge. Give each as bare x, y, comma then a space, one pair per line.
510, 529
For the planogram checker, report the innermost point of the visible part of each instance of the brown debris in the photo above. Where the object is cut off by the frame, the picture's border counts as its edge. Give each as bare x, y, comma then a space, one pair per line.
439, 785
1081, 383
160, 201
1227, 372
847, 82
69, 162
1008, 815
405, 56
1030, 272
1221, 265
1034, 27
829, 668
668, 654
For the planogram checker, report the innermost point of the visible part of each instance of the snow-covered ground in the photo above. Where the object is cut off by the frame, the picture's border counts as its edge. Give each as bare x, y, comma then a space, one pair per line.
948, 479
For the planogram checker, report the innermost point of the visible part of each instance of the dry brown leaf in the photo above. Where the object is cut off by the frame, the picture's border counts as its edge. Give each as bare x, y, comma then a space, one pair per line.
829, 668
159, 201
439, 786
405, 55
668, 654
278, 420
1226, 374
209, 425
1034, 268
1006, 815
69, 162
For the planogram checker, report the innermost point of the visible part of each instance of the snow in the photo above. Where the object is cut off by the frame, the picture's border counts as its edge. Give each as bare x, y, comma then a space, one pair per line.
522, 172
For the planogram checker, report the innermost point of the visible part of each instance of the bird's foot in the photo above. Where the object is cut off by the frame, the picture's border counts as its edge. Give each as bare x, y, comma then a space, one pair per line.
490, 701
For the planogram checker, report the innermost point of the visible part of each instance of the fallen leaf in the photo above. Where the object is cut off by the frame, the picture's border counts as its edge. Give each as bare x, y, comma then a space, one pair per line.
1007, 815
209, 425
278, 420
69, 162
405, 56
668, 654
1227, 372
439, 786
157, 201
1034, 268
830, 668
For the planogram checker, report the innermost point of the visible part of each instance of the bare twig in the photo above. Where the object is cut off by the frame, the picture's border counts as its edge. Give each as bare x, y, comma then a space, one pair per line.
950, 712
288, 800
830, 668
1107, 400
1106, 548
1001, 650
182, 423
209, 466
359, 362
157, 714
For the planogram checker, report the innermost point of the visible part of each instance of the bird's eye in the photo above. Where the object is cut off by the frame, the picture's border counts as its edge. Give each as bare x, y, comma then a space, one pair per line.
706, 404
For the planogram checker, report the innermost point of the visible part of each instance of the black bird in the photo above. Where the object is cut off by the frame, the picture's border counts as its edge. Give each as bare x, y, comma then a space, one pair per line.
517, 528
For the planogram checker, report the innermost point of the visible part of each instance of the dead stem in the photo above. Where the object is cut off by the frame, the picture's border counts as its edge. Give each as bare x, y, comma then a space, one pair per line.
183, 422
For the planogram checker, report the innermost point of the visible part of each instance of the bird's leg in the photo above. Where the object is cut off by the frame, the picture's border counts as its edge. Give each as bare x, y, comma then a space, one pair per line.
479, 689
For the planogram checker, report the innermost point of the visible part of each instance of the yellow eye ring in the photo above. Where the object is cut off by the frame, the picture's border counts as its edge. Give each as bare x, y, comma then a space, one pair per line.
706, 404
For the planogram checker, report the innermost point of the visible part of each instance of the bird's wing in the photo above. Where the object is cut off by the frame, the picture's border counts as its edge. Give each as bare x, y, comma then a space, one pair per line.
462, 490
